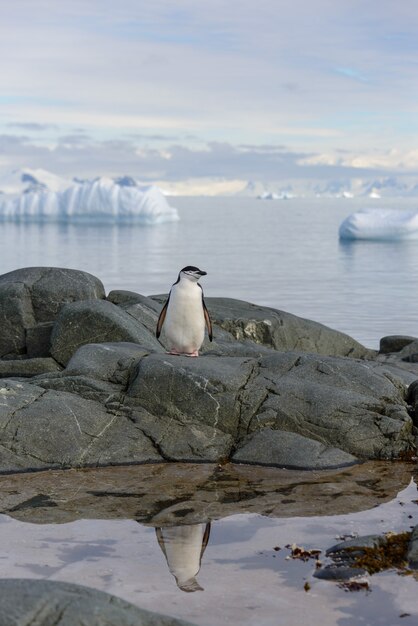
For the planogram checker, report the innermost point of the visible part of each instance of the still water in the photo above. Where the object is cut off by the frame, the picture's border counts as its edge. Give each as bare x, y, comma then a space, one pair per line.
142, 533
284, 254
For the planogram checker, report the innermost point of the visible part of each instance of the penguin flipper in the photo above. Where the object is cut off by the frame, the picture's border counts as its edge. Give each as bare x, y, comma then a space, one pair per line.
205, 540
160, 540
162, 318
207, 319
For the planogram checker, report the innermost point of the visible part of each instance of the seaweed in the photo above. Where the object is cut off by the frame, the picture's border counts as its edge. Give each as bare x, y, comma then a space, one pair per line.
391, 554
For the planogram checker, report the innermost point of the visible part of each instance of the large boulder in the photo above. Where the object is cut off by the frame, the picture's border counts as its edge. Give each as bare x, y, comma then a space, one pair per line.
30, 299
43, 428
55, 603
96, 321
215, 407
118, 403
345, 403
280, 330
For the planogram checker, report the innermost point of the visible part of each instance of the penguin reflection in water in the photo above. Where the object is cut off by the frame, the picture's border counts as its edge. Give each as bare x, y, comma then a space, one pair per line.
184, 315
183, 548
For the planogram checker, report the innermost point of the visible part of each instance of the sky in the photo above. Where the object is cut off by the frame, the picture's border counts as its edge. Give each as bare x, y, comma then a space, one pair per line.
223, 89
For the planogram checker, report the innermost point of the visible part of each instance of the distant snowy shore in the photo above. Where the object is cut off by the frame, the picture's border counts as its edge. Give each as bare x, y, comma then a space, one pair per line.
38, 196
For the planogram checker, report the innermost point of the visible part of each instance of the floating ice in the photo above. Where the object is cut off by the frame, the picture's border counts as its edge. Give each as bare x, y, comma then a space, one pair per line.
99, 200
380, 224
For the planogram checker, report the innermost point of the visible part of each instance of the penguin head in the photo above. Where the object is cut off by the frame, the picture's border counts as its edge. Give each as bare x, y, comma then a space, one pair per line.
190, 272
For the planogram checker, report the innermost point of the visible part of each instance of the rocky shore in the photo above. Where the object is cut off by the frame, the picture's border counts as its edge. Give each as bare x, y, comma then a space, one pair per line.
86, 383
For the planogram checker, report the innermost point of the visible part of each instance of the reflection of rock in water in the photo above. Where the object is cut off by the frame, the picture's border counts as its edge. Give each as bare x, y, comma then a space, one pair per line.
183, 547
48, 602
177, 493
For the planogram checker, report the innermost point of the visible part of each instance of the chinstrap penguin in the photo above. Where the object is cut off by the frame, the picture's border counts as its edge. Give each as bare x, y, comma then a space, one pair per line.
184, 314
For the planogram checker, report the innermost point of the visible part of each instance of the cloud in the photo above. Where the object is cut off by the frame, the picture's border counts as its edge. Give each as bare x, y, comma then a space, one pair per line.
161, 69
32, 126
78, 155
172, 90
151, 137
75, 139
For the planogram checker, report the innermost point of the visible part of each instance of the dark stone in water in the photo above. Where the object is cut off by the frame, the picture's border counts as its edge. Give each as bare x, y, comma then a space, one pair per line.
412, 554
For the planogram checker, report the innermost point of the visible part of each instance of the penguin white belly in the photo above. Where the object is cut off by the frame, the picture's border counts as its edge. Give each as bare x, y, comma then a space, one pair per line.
184, 325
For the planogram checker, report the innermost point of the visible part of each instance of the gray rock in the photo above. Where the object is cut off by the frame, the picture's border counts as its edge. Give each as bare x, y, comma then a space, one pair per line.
95, 321
367, 541
400, 368
38, 339
16, 314
412, 400
394, 343
224, 345
126, 299
339, 573
204, 390
105, 361
106, 393
284, 449
287, 409
410, 352
334, 402
279, 330
412, 554
44, 428
195, 403
141, 308
25, 602
27, 367
342, 403
32, 296
182, 440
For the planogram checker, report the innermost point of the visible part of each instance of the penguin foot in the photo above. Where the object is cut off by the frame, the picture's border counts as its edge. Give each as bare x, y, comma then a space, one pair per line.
177, 353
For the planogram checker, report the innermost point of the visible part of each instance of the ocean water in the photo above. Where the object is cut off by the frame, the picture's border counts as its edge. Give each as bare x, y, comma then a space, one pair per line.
284, 254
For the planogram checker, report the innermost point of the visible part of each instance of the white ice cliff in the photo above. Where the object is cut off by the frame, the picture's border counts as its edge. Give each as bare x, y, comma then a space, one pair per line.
380, 224
99, 200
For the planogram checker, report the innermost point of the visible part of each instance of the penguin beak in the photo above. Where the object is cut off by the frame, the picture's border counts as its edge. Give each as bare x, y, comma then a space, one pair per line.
202, 273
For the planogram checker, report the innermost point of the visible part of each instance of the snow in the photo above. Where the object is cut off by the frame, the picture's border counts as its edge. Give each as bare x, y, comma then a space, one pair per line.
380, 224
36, 195
21, 181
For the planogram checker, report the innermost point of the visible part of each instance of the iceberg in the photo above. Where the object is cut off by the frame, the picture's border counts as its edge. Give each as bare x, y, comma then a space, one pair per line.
380, 224
99, 200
